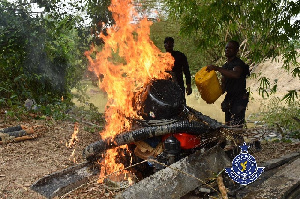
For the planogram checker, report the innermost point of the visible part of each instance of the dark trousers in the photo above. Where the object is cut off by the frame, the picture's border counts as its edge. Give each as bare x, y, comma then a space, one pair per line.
183, 94
235, 109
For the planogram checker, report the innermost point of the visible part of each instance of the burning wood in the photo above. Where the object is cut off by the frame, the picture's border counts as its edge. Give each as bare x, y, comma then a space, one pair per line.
74, 137
127, 62
183, 119
141, 105
101, 146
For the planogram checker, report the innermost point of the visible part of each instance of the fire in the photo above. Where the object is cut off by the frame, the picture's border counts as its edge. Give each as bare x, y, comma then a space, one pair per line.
130, 181
72, 157
126, 63
74, 137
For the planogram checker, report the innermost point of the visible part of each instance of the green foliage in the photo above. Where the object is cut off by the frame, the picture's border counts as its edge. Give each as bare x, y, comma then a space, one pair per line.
286, 117
40, 57
15, 112
263, 28
57, 110
89, 113
290, 96
169, 28
97, 10
62, 110
99, 13
264, 86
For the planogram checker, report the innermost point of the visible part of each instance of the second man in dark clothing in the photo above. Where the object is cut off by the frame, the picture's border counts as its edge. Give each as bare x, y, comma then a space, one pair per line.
180, 66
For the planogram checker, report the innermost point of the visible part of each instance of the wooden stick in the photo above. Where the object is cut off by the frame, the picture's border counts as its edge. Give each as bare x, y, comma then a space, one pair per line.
18, 139
29, 130
222, 187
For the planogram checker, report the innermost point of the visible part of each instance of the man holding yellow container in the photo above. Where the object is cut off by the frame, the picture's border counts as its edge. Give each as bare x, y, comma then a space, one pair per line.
234, 73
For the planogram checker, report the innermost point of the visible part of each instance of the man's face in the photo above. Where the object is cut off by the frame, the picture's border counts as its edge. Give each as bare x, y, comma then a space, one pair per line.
169, 46
230, 50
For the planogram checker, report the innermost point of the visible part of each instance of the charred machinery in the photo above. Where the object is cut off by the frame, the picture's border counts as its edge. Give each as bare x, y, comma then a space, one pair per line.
168, 131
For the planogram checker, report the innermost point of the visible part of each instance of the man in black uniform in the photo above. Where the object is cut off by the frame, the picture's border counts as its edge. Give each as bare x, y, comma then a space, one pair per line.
180, 66
234, 73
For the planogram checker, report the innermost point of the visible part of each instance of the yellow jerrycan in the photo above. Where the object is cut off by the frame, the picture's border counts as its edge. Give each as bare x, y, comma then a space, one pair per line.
208, 85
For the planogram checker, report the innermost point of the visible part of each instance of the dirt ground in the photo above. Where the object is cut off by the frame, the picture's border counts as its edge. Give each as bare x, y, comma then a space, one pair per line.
23, 163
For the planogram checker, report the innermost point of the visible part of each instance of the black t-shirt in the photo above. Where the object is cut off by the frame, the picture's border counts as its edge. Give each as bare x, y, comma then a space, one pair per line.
236, 87
181, 66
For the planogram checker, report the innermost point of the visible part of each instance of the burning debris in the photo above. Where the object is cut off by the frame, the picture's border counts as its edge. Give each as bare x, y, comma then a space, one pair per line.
178, 133
146, 115
127, 63
151, 144
74, 137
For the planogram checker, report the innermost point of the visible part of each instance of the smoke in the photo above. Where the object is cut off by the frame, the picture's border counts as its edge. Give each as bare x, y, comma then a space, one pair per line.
45, 65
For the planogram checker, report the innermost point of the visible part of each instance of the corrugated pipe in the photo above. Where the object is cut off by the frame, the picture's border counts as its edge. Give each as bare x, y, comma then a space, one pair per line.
95, 149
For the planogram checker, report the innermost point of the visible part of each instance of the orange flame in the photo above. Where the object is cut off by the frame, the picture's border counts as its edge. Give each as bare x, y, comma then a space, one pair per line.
128, 61
72, 157
130, 181
74, 137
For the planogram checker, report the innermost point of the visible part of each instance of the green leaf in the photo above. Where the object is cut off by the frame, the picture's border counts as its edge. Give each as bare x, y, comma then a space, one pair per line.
290, 96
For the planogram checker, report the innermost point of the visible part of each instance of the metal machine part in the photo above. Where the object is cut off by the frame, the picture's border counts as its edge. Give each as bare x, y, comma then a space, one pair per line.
164, 100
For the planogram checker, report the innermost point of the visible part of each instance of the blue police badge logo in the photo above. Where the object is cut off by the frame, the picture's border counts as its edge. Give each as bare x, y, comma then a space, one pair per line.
244, 169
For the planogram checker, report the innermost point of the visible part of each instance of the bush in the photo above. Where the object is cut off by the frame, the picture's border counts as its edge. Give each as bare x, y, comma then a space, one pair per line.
41, 58
285, 116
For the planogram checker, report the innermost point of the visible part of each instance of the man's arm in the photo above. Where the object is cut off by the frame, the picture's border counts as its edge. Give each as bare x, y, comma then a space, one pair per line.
235, 73
187, 74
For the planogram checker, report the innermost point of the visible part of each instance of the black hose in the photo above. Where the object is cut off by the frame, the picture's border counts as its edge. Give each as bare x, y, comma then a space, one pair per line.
214, 124
11, 129
96, 148
17, 133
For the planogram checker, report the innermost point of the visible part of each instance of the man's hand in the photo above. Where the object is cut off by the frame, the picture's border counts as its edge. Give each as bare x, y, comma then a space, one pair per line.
212, 67
188, 89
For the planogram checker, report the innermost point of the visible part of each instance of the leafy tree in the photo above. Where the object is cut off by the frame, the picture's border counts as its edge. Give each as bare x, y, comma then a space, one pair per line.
264, 28
166, 28
96, 12
40, 57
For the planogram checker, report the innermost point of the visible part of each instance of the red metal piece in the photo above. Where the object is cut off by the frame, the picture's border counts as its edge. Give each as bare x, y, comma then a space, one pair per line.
187, 141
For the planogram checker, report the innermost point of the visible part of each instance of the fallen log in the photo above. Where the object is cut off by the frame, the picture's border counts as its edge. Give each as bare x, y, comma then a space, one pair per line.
181, 177
29, 130
18, 139
62, 182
